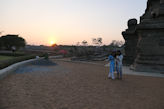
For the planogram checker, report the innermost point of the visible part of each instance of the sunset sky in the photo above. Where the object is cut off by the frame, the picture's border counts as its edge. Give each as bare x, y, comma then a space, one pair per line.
68, 21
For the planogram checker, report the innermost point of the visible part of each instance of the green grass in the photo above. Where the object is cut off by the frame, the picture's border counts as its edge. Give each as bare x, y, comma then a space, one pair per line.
16, 54
2, 58
5, 61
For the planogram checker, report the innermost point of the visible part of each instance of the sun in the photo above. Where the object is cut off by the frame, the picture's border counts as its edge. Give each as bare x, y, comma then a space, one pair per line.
52, 42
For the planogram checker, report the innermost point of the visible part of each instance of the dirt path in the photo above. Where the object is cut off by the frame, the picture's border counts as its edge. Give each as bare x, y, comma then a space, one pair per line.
79, 86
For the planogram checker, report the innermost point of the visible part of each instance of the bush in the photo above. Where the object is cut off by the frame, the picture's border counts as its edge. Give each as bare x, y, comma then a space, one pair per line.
46, 56
6, 63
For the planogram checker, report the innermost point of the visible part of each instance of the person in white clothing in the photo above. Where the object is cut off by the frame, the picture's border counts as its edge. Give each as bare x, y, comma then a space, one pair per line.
119, 59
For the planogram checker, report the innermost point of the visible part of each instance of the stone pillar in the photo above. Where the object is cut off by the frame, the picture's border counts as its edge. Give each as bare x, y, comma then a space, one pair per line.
150, 46
131, 40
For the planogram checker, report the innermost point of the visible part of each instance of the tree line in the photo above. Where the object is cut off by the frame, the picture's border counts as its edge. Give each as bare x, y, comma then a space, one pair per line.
98, 42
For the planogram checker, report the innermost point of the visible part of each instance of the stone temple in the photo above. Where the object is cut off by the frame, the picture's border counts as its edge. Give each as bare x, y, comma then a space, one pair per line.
144, 42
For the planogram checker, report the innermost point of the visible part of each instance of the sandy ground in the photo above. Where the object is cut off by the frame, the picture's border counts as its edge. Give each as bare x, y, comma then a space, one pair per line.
79, 86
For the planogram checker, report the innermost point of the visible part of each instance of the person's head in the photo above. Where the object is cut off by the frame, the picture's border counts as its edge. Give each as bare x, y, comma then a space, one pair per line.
113, 53
119, 52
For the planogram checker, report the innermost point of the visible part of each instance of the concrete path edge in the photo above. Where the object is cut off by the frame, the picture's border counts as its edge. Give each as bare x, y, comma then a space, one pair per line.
10, 69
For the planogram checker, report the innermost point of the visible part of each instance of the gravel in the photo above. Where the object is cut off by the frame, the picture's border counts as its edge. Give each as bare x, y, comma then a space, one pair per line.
79, 86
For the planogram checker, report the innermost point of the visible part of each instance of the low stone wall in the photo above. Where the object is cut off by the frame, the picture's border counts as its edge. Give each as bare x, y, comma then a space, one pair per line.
10, 69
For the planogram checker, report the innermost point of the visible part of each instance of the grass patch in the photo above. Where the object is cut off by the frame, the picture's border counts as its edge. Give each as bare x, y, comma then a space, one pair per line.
10, 61
16, 54
3, 58
7, 59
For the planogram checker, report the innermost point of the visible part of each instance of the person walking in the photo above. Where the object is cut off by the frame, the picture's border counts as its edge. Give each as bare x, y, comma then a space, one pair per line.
111, 59
119, 59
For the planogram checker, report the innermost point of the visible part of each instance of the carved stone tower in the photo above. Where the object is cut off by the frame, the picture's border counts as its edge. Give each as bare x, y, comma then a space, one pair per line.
150, 34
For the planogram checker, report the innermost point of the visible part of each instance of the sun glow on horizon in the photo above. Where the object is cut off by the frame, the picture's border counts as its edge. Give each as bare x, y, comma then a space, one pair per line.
52, 42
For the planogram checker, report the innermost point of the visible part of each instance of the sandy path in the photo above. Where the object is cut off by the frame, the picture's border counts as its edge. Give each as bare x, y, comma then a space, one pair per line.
79, 86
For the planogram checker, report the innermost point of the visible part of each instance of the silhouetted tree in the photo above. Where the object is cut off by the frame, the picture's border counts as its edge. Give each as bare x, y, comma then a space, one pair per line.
84, 42
116, 43
78, 43
1, 45
1, 41
97, 41
9, 41
54, 45
1, 32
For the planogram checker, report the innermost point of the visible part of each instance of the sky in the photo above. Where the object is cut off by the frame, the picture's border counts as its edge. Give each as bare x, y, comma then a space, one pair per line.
41, 22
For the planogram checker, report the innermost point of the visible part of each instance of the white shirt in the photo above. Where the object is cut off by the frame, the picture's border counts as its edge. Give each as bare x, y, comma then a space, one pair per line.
119, 60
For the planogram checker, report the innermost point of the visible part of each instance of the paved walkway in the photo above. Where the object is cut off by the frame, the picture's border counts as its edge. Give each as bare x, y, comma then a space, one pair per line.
126, 69
68, 85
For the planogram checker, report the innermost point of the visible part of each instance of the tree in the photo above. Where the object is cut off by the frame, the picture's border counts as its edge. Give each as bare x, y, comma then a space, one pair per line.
1, 41
97, 41
1, 32
10, 41
116, 43
84, 42
54, 45
1, 45
78, 43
